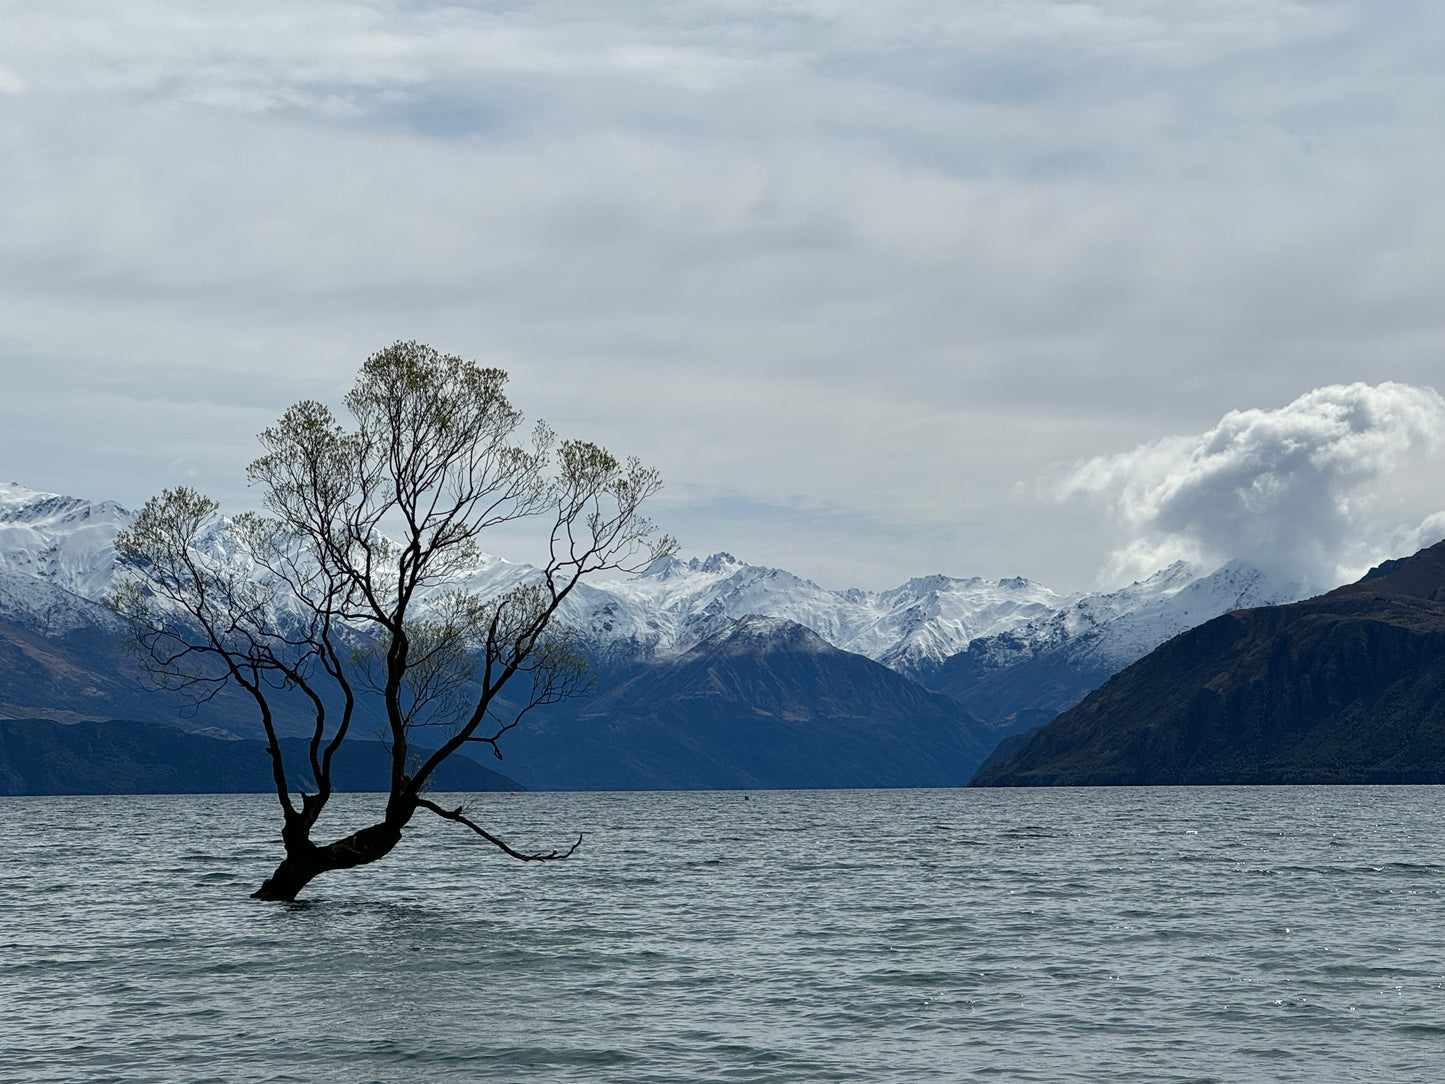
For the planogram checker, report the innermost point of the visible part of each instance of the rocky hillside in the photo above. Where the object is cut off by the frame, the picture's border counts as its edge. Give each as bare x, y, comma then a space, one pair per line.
1348, 687
1029, 674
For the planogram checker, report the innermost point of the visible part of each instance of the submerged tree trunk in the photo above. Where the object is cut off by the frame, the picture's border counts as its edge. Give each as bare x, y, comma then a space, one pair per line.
305, 861
293, 874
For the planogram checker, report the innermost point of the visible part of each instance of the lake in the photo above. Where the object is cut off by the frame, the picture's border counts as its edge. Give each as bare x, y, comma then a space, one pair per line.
1158, 934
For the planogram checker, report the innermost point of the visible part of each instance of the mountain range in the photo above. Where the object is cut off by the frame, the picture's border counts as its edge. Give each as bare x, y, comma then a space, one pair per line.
711, 672
1348, 687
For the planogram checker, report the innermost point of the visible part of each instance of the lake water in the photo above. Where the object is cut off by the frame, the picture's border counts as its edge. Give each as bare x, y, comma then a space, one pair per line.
1209, 934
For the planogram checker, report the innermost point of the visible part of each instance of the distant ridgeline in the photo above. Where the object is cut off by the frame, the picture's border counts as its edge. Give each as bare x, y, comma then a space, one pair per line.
721, 674
1345, 688
765, 703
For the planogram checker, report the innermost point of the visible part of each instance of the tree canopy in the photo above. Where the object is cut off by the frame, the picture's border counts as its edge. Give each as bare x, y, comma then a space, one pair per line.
352, 583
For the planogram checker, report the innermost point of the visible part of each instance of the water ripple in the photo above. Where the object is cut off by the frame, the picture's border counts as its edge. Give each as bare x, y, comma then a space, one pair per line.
1181, 935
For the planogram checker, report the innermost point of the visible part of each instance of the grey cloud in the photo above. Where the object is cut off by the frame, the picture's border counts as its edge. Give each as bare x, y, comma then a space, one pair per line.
1294, 490
896, 257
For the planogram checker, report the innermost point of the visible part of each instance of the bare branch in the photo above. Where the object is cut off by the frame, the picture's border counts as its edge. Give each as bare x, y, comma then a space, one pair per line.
353, 582
460, 817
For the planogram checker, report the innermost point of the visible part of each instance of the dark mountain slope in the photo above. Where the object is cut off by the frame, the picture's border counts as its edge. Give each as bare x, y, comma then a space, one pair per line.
89, 674
1345, 688
1007, 680
765, 704
1020, 678
40, 756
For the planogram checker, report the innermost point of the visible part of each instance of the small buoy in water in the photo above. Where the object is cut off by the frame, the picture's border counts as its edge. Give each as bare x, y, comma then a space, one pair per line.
747, 798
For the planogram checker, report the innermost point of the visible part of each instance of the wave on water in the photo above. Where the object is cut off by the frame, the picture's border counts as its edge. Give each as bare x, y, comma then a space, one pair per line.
1171, 935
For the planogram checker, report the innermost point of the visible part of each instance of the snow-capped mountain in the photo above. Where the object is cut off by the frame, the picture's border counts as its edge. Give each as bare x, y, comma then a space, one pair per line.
51, 543
1050, 664
711, 672
48, 609
64, 541
57, 561
1118, 627
674, 605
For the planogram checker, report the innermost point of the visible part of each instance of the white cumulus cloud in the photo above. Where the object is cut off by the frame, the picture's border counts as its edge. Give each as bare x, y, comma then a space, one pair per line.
1319, 489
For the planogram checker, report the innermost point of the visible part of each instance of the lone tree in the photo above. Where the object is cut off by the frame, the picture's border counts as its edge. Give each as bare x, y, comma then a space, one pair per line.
351, 585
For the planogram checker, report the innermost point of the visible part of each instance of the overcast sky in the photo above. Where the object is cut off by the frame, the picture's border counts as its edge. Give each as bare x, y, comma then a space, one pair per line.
882, 289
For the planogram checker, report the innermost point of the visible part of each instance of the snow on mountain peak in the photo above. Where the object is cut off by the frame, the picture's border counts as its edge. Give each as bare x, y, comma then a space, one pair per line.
1115, 628
67, 543
14, 494
673, 606
662, 612
665, 566
718, 562
758, 633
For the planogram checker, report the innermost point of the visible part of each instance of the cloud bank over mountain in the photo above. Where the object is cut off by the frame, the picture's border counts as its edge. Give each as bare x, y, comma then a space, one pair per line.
1297, 491
846, 273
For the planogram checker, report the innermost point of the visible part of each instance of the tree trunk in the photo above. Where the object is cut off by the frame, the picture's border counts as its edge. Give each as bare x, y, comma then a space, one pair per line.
305, 861
291, 876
